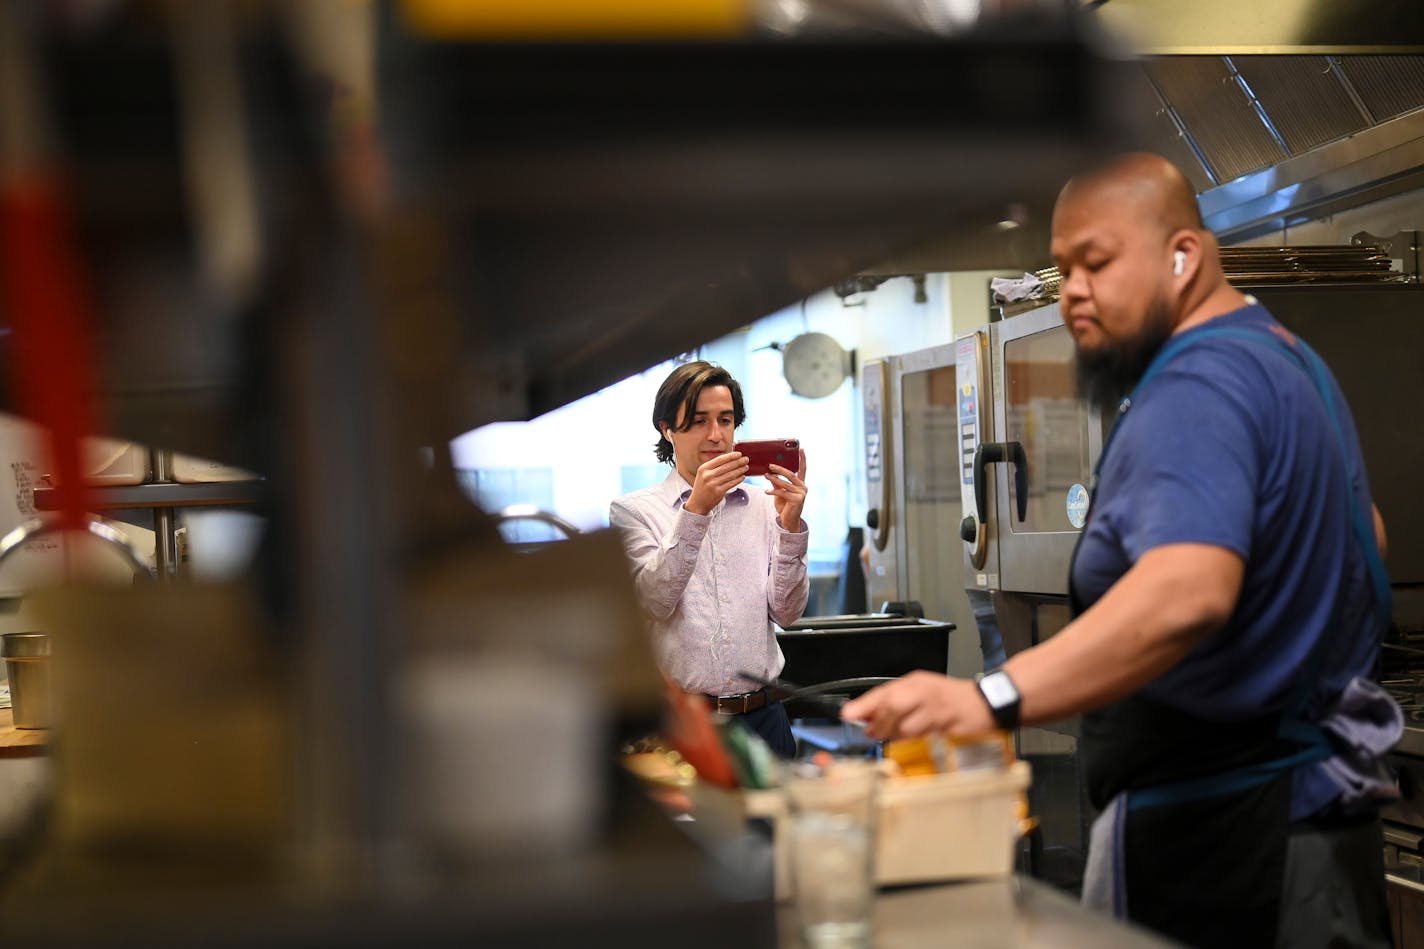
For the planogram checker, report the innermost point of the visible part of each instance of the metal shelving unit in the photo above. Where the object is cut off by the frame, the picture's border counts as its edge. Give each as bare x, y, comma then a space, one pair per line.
160, 497
172, 495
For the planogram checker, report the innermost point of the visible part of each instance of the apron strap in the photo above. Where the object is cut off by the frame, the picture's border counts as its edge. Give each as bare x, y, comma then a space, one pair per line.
1234, 781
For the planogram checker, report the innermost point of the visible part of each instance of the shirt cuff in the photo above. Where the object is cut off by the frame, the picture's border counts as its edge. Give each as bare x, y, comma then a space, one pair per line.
690, 527
792, 544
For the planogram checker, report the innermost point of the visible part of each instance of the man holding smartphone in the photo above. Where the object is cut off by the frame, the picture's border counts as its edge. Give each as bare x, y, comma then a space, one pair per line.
715, 561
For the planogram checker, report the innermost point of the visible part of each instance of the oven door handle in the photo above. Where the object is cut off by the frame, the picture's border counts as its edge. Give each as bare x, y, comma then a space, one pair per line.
992, 453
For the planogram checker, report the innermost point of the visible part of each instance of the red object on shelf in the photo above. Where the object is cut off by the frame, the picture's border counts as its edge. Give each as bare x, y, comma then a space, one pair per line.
690, 731
48, 306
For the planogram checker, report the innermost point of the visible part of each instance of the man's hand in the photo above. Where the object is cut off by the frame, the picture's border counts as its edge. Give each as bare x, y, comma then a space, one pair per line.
921, 703
715, 478
788, 492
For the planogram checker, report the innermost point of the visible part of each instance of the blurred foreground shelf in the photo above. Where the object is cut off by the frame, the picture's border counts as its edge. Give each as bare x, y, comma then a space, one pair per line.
645, 881
609, 898
561, 216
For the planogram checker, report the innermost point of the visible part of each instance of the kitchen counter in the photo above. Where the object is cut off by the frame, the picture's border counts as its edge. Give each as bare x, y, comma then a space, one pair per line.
629, 909
25, 768
1003, 913
20, 742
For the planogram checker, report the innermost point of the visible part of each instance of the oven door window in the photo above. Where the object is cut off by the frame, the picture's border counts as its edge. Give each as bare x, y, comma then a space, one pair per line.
1045, 416
934, 552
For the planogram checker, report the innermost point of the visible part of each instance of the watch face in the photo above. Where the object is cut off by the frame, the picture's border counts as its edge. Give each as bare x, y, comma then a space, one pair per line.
999, 690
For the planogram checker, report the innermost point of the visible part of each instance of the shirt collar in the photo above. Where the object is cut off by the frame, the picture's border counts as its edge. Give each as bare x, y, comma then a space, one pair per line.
675, 490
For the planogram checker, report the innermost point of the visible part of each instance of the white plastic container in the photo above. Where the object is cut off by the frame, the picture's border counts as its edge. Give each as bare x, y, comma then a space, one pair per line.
189, 470
108, 461
949, 826
105, 461
955, 826
501, 757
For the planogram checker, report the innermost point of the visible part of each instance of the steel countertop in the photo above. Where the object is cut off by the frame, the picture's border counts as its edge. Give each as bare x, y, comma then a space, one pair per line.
1004, 913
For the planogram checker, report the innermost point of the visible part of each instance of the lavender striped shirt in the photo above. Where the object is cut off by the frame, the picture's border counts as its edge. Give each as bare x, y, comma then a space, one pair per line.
713, 583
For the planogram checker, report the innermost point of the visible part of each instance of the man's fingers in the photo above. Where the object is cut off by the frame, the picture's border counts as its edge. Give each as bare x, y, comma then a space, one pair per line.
884, 723
724, 472
917, 722
877, 708
857, 709
863, 708
778, 473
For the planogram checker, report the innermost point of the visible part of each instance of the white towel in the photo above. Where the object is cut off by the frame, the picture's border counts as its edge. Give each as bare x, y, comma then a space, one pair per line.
1104, 885
1011, 290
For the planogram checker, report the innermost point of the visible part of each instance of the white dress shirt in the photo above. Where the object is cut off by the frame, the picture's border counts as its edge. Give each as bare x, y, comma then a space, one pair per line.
713, 583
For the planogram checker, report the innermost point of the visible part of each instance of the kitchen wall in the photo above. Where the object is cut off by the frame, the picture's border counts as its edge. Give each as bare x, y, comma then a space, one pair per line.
887, 321
576, 459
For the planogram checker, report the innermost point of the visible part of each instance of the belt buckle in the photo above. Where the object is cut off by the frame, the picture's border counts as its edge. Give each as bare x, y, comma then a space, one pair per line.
733, 704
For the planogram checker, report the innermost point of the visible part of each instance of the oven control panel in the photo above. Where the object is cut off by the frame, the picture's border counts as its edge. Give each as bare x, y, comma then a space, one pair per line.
970, 354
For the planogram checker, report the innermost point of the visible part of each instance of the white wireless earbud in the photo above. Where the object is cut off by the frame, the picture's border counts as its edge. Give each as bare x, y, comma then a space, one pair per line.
1179, 263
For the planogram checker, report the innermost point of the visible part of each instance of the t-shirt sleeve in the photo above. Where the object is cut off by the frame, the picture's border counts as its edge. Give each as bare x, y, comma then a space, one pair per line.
1194, 467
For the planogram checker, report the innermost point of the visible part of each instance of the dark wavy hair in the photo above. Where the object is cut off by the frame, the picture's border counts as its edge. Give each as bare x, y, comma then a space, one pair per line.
680, 390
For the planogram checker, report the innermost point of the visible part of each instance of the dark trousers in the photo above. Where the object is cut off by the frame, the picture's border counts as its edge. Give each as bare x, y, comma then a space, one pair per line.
772, 724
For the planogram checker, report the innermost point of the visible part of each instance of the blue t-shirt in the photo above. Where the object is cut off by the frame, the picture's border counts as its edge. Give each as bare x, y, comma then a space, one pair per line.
1230, 444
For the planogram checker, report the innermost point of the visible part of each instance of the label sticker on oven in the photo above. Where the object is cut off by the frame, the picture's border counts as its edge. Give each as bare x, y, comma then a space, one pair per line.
1078, 506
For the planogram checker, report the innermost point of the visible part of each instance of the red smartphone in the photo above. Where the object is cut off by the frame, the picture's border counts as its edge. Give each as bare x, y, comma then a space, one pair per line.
785, 452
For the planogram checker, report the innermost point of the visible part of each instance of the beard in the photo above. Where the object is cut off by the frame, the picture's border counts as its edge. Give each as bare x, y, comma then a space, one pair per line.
1107, 375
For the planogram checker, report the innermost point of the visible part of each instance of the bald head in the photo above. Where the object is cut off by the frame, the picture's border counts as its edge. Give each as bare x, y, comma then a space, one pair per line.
1137, 262
1154, 189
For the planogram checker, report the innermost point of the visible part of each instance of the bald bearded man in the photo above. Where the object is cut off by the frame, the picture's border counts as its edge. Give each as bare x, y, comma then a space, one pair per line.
1229, 597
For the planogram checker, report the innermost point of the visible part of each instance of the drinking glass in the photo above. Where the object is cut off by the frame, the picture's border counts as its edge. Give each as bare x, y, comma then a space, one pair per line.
832, 826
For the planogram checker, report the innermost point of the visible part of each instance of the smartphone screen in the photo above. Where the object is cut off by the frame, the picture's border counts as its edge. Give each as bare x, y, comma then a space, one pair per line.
785, 452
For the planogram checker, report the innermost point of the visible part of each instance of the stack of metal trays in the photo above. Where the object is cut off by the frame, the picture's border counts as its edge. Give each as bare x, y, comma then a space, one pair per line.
1311, 263
1344, 263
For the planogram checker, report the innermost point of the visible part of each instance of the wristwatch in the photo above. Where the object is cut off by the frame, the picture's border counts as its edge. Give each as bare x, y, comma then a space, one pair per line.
1003, 698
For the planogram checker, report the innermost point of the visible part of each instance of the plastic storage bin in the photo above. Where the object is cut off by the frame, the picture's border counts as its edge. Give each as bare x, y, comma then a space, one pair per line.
949, 826
954, 826
190, 470
108, 461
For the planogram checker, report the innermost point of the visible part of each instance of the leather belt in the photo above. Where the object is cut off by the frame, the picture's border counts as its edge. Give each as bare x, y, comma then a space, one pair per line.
738, 704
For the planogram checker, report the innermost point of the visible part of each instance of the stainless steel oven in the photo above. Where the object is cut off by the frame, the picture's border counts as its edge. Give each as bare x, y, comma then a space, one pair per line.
1025, 446
978, 460
913, 486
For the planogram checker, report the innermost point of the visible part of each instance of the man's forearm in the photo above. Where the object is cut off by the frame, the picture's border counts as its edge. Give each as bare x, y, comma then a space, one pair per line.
660, 573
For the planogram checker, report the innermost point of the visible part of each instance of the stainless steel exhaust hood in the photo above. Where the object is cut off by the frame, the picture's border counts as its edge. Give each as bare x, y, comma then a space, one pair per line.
1272, 141
1279, 112
1284, 111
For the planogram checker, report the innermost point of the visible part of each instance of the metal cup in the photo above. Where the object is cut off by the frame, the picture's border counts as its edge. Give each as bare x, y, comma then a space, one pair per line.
26, 658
